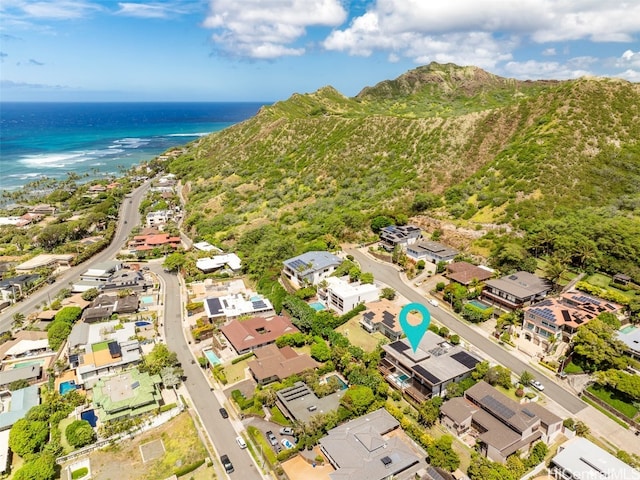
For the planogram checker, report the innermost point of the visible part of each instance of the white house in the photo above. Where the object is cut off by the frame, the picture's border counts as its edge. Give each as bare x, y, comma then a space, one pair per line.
342, 296
310, 267
230, 260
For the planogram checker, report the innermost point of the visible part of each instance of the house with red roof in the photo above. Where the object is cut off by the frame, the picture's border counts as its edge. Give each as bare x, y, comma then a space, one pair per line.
246, 335
145, 243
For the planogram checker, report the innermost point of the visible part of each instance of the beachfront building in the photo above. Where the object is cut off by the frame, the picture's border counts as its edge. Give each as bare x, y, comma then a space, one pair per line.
427, 371
431, 251
310, 268
341, 296
372, 447
127, 394
255, 332
580, 459
515, 291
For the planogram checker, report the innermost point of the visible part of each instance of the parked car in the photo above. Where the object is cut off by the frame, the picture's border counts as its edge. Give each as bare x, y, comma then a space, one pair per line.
241, 443
226, 463
223, 412
433, 302
271, 437
537, 385
286, 431
286, 443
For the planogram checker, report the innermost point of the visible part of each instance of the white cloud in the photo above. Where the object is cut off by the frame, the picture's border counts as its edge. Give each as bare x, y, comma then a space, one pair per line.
146, 10
628, 59
464, 31
549, 52
267, 29
631, 75
47, 9
533, 69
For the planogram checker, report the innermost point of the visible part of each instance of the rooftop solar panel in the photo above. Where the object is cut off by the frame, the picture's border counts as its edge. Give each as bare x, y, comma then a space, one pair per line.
497, 407
465, 359
399, 346
430, 377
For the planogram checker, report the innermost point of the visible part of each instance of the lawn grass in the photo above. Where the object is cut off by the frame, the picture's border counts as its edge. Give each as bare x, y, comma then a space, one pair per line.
608, 414
614, 399
359, 337
97, 347
278, 417
236, 372
599, 280
573, 368
62, 426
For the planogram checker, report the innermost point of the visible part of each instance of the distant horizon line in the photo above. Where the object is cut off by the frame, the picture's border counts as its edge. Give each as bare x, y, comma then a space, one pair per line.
139, 101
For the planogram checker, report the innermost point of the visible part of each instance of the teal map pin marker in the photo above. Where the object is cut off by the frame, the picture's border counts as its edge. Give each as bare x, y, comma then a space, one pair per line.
415, 332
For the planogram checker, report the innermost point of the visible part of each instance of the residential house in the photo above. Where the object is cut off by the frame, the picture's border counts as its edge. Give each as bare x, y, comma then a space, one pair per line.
310, 268
631, 338
24, 342
273, 364
382, 316
230, 261
43, 209
554, 319
158, 218
399, 236
142, 244
206, 247
256, 332
97, 276
341, 296
372, 447
31, 373
238, 305
431, 251
580, 459
98, 349
127, 394
45, 261
515, 291
14, 406
300, 403
622, 279
466, 273
98, 188
127, 279
13, 288
500, 425
427, 371
106, 305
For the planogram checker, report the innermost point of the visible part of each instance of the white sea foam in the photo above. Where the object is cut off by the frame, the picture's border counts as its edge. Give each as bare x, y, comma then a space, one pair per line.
133, 142
52, 160
201, 134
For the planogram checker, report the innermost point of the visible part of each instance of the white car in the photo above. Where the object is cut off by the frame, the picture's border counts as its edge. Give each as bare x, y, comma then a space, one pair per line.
433, 302
537, 385
241, 443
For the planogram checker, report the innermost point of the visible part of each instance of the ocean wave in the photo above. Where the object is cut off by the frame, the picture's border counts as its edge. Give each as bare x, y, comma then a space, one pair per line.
132, 142
53, 160
201, 134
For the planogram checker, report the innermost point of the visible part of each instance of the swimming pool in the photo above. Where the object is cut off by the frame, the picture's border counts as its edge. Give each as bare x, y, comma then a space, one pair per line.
628, 329
479, 304
142, 324
67, 386
212, 357
343, 385
317, 306
90, 416
28, 364
403, 378
147, 299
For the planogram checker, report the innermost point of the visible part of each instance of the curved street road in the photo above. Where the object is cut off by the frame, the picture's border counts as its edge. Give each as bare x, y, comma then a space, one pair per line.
220, 431
128, 217
389, 275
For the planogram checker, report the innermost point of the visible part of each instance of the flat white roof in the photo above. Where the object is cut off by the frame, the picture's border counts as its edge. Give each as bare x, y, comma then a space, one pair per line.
24, 346
4, 450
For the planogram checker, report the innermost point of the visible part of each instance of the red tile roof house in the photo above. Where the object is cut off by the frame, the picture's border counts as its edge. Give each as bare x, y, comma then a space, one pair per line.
144, 243
256, 332
275, 364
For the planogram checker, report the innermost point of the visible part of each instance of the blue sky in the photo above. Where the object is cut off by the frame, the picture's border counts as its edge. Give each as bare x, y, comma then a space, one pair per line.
266, 50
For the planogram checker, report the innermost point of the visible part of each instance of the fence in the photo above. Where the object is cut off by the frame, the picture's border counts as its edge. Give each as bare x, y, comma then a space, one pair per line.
610, 409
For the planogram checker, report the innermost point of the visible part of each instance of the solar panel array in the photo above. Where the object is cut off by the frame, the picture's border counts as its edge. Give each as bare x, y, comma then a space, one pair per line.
298, 264
388, 319
528, 413
430, 377
399, 346
259, 304
496, 406
295, 392
465, 359
545, 313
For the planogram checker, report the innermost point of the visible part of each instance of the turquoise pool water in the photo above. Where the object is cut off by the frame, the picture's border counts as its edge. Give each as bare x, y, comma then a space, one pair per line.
480, 305
147, 299
67, 386
628, 329
403, 378
89, 416
343, 386
317, 306
27, 364
212, 357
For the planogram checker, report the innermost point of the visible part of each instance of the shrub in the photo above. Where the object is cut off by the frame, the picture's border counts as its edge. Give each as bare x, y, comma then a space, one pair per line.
79, 473
179, 472
79, 433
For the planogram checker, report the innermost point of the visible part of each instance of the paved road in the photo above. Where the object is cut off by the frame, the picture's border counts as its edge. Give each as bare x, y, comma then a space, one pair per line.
128, 218
205, 403
389, 275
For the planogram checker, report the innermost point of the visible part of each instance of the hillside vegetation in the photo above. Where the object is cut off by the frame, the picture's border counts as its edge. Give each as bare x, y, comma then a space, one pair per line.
555, 162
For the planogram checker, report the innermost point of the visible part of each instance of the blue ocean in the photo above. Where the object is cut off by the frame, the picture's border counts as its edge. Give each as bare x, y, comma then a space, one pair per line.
96, 139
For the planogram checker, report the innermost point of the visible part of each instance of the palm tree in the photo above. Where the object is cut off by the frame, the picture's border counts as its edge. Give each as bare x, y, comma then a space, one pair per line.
554, 270
18, 320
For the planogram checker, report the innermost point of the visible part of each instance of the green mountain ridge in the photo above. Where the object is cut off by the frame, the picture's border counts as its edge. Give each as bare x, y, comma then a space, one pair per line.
480, 148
